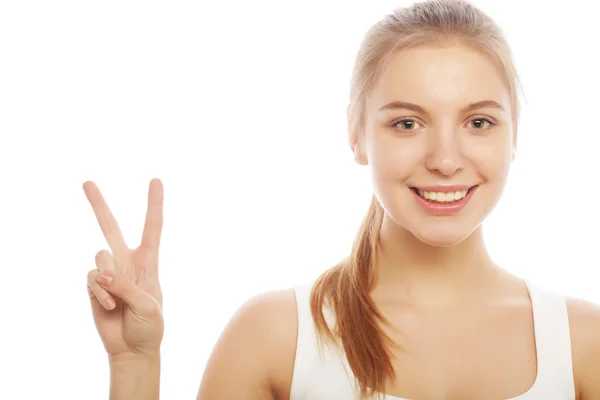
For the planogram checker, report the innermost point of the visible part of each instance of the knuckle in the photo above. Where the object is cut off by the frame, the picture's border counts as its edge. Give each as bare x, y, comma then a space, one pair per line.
104, 260
91, 276
101, 255
152, 308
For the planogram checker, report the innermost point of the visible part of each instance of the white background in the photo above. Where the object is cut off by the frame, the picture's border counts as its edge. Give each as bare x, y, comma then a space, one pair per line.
239, 107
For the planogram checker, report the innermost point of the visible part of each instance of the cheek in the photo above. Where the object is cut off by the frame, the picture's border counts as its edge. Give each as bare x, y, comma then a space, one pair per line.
492, 160
393, 158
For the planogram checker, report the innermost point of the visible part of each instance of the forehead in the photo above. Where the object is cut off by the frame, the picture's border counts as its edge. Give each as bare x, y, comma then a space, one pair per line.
439, 77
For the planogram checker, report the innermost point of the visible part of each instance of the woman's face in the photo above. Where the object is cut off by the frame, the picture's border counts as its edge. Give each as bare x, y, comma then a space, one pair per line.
439, 141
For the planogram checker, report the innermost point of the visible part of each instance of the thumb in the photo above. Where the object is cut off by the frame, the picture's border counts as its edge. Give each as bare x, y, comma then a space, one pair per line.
140, 302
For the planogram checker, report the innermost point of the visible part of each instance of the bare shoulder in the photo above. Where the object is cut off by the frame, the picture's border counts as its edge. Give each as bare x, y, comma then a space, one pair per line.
584, 321
256, 351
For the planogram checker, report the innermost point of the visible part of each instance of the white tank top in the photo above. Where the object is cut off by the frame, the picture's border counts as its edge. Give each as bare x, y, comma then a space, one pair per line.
327, 376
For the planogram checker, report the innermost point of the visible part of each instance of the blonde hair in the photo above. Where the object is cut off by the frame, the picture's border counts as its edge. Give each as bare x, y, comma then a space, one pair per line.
345, 287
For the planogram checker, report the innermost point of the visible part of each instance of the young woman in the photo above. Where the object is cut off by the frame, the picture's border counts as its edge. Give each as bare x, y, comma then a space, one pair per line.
418, 310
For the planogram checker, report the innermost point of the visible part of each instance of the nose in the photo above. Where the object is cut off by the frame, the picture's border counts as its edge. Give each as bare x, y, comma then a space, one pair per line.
444, 153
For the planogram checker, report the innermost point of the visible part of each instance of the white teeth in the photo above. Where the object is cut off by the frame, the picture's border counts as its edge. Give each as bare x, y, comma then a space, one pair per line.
443, 197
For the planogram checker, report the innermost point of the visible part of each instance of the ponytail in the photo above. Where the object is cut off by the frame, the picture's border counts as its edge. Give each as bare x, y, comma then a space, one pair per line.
345, 290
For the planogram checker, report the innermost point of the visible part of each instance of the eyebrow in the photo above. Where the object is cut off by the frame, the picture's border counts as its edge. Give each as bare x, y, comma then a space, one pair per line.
416, 108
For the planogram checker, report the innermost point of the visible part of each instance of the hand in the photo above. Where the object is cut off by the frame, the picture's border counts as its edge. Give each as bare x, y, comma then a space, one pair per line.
128, 310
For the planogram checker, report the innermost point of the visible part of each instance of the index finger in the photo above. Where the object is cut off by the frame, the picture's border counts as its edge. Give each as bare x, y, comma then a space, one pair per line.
106, 220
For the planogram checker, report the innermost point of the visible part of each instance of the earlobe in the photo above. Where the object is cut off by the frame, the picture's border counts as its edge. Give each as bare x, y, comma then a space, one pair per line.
355, 152
355, 142
514, 145
359, 155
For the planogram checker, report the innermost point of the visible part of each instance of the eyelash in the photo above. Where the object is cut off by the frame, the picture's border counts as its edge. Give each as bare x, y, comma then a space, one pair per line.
397, 122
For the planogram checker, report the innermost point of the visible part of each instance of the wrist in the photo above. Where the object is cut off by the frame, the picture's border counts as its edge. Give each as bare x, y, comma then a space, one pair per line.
134, 377
128, 359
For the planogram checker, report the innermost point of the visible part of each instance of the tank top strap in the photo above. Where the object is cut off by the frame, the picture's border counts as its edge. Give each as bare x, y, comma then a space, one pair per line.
305, 344
320, 372
553, 340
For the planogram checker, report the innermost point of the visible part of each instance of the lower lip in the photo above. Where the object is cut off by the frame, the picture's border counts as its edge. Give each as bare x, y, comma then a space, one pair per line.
444, 208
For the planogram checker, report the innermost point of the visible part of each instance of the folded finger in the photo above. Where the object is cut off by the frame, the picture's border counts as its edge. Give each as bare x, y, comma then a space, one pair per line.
105, 260
97, 292
139, 301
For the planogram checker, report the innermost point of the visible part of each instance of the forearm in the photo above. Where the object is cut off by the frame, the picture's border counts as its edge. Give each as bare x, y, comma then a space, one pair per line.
133, 378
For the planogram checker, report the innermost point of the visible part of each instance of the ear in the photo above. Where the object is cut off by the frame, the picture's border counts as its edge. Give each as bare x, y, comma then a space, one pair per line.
358, 149
514, 144
356, 142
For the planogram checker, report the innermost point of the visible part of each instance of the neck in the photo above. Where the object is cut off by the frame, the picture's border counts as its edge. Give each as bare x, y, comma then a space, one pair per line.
409, 270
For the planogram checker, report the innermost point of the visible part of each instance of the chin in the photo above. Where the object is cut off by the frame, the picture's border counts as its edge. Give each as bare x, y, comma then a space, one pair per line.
443, 238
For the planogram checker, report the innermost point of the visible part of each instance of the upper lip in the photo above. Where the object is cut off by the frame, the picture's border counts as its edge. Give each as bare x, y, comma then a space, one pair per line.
444, 188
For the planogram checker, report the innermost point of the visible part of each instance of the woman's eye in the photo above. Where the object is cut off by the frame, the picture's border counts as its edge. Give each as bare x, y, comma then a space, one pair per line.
406, 124
480, 123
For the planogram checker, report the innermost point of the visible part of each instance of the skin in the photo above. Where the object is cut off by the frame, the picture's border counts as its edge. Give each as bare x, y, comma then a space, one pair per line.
126, 299
433, 272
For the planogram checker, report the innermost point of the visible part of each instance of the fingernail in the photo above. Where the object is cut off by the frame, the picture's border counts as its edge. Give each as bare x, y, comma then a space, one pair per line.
110, 303
104, 279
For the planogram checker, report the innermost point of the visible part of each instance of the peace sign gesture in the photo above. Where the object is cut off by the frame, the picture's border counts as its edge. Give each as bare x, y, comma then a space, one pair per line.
124, 289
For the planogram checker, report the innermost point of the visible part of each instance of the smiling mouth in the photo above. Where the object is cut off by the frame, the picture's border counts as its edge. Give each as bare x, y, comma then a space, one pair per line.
442, 197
